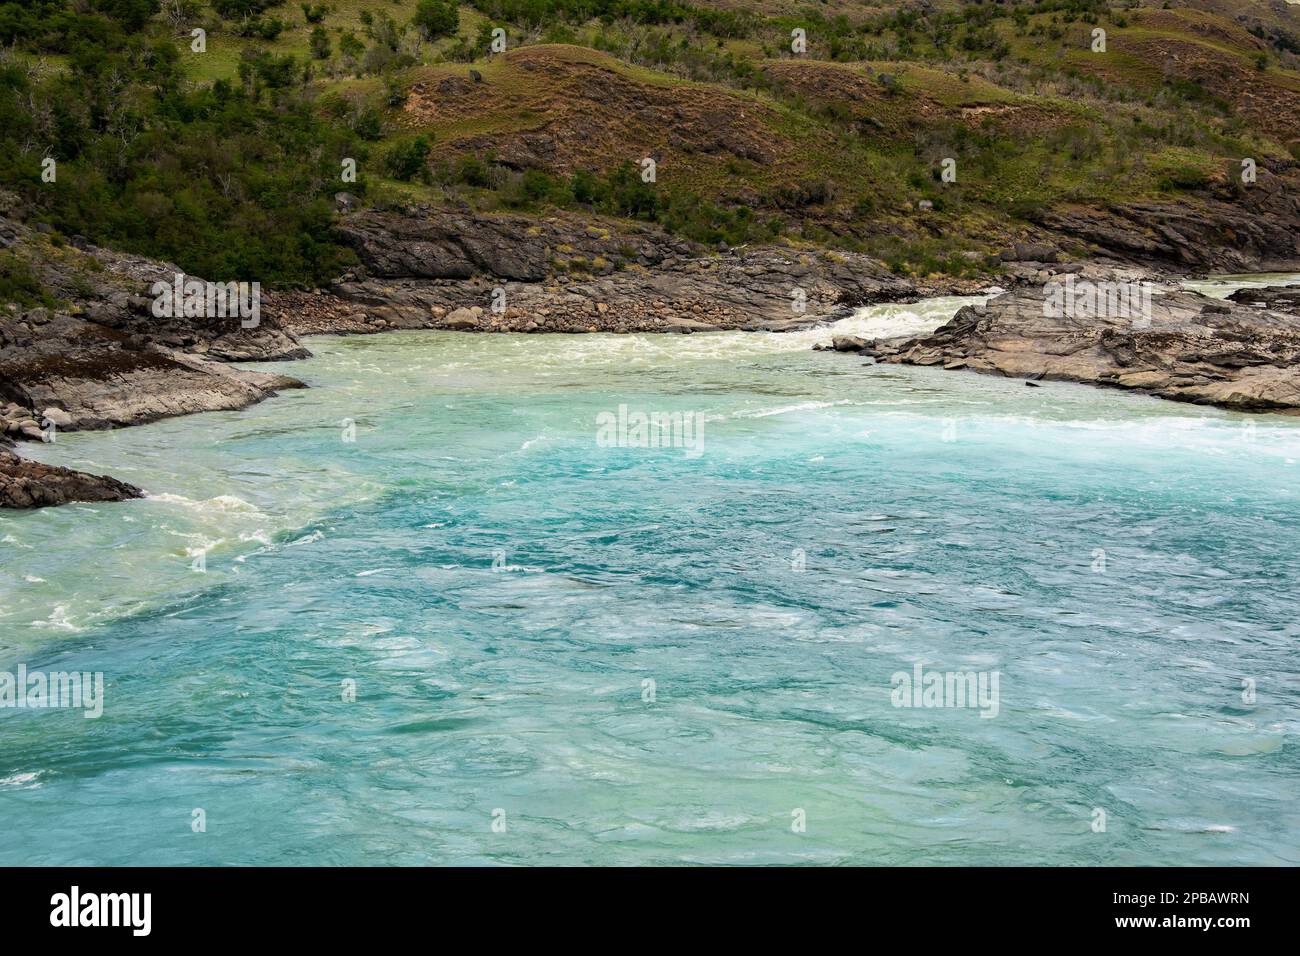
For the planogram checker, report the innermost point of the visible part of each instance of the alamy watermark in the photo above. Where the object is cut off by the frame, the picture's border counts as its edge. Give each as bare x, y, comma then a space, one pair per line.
630, 428
921, 688
38, 690
75, 908
1081, 299
193, 298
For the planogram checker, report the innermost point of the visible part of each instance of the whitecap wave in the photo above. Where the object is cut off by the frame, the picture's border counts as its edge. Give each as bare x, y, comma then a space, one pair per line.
221, 504
58, 620
26, 781
786, 409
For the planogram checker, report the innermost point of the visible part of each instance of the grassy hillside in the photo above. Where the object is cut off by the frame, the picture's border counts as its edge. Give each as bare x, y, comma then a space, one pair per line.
226, 160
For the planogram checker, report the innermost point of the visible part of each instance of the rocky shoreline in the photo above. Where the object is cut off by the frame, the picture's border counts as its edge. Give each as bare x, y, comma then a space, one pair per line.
102, 359
1186, 347
97, 357
428, 269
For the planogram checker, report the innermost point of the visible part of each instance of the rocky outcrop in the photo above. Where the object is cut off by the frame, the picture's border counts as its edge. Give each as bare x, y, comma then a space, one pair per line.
421, 242
32, 484
1230, 228
97, 357
756, 291
1186, 347
99, 380
101, 358
425, 268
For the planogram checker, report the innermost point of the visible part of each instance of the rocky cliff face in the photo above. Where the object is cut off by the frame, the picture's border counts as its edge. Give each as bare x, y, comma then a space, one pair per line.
1188, 348
424, 243
1231, 228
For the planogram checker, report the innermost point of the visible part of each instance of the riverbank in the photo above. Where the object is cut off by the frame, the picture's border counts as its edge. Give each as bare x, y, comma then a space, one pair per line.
422, 268
97, 357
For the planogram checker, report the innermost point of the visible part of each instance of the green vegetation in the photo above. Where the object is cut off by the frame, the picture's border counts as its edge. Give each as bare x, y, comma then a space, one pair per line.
226, 161
436, 18
621, 193
19, 284
405, 159
228, 180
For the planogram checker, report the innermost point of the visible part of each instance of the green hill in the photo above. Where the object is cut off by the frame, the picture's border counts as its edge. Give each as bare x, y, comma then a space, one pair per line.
225, 160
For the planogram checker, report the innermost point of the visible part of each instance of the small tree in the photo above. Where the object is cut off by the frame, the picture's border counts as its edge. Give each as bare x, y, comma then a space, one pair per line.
350, 46
406, 159
320, 43
131, 14
436, 18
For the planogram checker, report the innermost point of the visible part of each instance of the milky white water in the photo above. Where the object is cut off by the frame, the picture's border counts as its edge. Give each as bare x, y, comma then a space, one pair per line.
1220, 287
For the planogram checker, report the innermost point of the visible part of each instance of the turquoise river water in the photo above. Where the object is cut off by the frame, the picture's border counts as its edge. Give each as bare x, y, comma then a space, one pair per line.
421, 614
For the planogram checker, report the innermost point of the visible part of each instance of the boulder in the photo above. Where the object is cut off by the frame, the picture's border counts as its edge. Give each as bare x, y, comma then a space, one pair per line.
461, 319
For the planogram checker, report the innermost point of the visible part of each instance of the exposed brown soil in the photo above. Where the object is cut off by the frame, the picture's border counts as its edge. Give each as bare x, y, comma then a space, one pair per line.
570, 111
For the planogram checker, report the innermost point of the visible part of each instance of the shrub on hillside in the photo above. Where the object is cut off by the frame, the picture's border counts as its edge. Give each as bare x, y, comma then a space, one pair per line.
436, 18
407, 159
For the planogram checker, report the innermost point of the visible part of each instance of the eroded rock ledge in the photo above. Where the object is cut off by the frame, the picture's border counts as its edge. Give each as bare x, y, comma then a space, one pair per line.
1195, 349
104, 360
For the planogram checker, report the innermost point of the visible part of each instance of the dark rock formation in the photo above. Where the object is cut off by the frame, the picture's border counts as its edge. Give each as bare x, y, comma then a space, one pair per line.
443, 245
1232, 228
423, 268
31, 484
1283, 297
